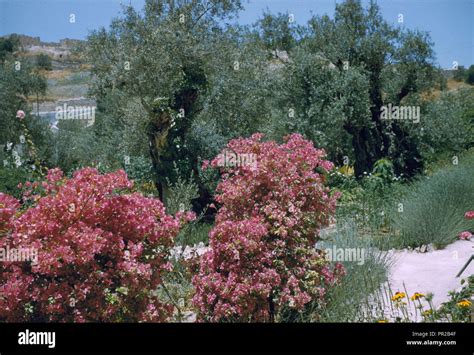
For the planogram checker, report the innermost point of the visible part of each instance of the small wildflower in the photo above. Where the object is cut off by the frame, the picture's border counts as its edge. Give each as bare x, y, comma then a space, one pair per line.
466, 235
20, 114
398, 296
464, 303
416, 296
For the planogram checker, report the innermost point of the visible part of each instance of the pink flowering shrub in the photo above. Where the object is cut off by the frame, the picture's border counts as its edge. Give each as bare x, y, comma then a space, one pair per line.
262, 260
101, 252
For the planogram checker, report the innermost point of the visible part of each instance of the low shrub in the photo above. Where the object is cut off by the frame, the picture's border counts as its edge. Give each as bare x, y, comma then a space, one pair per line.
364, 276
366, 201
11, 176
459, 306
43, 61
433, 207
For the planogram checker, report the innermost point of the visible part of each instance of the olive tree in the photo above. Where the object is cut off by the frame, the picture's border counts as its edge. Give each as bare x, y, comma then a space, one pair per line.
391, 65
160, 57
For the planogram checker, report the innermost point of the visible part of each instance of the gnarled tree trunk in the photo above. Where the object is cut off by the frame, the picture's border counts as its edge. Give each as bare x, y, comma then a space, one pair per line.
158, 131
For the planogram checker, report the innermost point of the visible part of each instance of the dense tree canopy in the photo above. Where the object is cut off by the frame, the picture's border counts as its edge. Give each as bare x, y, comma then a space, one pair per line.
19, 80
160, 57
200, 82
379, 64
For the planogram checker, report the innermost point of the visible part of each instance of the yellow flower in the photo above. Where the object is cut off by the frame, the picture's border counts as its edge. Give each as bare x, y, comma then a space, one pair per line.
382, 321
464, 303
416, 296
398, 296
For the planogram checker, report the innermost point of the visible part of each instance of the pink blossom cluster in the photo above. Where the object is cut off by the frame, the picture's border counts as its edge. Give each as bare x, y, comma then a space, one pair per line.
102, 252
262, 258
467, 235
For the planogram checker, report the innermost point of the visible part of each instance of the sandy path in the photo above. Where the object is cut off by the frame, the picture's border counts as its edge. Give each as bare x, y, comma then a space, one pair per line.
433, 271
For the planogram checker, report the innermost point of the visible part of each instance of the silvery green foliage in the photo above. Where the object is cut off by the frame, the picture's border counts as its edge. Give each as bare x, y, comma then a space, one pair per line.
181, 193
163, 57
241, 88
17, 81
433, 206
147, 54
277, 32
448, 126
138, 168
364, 64
326, 101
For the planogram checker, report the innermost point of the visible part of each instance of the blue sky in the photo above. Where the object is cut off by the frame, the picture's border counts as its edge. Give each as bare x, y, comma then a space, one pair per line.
449, 22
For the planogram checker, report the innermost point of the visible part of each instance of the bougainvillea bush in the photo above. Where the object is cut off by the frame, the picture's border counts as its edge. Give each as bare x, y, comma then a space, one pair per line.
262, 263
102, 251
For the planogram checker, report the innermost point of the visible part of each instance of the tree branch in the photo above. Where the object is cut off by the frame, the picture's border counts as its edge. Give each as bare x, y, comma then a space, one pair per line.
201, 15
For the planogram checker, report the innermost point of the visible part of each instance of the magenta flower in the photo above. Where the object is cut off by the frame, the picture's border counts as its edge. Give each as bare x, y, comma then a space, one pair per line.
466, 235
469, 215
20, 114
205, 164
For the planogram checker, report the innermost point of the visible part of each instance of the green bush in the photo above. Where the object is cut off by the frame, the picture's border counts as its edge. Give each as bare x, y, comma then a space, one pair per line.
367, 201
11, 177
8, 45
457, 309
446, 125
383, 169
460, 74
43, 61
139, 169
180, 193
194, 233
432, 209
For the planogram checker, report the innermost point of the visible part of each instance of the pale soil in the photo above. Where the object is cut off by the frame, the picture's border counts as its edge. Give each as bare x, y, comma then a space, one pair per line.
433, 271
